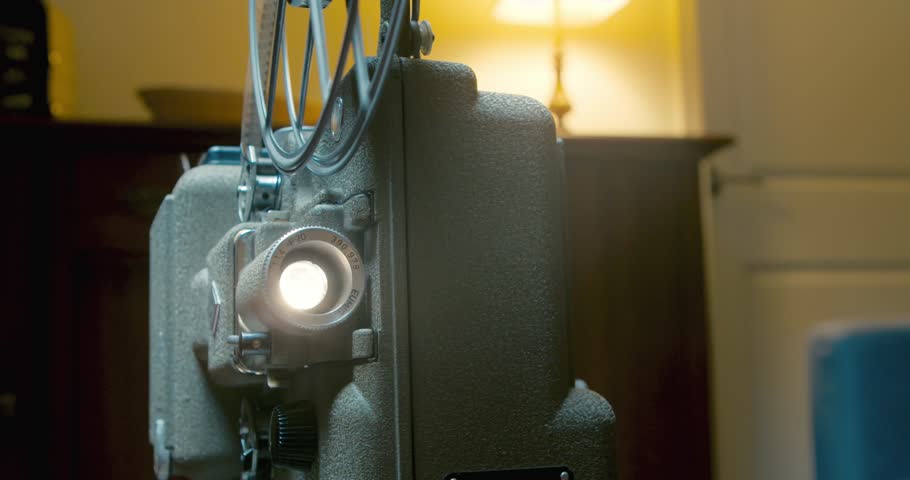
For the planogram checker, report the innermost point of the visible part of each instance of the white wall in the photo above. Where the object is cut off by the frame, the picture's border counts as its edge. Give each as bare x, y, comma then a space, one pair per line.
813, 84
816, 93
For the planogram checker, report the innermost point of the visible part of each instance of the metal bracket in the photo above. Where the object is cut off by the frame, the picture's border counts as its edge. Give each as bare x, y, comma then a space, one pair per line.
161, 452
247, 343
259, 186
254, 448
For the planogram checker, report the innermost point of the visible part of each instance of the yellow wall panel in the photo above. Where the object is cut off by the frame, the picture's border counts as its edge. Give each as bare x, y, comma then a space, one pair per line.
624, 76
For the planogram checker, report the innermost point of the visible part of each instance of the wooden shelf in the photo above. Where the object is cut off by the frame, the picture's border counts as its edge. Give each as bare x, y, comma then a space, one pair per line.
133, 137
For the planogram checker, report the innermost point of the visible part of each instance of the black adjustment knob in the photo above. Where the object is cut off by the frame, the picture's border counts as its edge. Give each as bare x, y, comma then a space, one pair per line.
293, 435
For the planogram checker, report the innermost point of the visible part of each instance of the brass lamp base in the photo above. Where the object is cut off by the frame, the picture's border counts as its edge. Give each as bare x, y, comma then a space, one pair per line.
559, 103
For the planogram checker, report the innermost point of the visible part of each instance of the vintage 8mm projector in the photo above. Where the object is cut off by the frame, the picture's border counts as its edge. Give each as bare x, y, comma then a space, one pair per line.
377, 296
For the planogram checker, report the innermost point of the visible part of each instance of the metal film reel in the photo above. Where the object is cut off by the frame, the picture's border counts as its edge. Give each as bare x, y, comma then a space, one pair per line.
291, 147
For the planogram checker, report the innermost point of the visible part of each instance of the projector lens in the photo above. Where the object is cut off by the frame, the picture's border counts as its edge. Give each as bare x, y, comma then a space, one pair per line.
314, 278
303, 285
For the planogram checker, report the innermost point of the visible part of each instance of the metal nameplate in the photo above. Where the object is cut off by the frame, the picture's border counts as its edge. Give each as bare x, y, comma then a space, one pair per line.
544, 473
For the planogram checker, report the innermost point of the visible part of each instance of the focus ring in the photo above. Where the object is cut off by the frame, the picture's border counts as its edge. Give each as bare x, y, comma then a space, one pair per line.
340, 260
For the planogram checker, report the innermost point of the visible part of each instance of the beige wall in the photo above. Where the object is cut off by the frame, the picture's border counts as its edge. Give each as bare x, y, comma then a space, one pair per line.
624, 76
815, 92
121, 46
815, 84
124, 46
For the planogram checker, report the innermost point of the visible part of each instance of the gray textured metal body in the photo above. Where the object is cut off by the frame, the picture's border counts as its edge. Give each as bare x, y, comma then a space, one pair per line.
462, 241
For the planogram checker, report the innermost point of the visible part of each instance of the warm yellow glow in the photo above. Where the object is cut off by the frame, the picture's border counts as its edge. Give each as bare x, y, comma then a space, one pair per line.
625, 76
61, 62
303, 285
573, 13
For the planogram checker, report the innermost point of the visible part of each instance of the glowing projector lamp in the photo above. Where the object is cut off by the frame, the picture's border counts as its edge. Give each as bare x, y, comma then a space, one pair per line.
303, 285
310, 279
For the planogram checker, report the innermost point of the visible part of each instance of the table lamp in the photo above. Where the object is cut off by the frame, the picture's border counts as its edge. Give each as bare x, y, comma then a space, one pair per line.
560, 15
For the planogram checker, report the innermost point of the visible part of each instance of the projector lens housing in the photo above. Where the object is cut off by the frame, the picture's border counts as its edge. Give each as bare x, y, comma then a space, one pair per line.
309, 280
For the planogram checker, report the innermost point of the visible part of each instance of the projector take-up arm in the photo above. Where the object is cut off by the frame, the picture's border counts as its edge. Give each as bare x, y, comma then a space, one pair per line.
288, 148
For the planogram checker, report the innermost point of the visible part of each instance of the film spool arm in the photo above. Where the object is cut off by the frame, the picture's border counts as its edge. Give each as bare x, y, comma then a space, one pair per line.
297, 145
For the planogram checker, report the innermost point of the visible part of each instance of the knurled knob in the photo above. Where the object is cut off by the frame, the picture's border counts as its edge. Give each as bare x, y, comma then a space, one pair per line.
293, 435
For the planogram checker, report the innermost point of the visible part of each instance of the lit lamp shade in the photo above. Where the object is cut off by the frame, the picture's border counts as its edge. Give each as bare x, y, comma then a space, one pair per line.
573, 13
559, 15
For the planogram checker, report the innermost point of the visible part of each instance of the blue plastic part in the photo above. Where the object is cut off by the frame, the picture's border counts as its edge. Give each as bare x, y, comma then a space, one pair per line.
227, 155
861, 402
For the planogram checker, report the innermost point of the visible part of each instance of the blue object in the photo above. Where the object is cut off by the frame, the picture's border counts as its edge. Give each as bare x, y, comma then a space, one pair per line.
861, 402
226, 155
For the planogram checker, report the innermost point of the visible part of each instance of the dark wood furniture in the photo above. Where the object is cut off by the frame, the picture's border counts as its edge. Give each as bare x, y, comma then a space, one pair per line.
82, 197
637, 299
81, 200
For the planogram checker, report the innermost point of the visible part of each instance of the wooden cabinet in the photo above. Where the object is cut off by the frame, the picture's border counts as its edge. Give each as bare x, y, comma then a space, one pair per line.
80, 200
637, 301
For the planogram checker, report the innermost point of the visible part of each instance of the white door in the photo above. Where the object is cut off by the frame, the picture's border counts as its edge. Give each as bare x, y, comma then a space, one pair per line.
786, 254
811, 220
